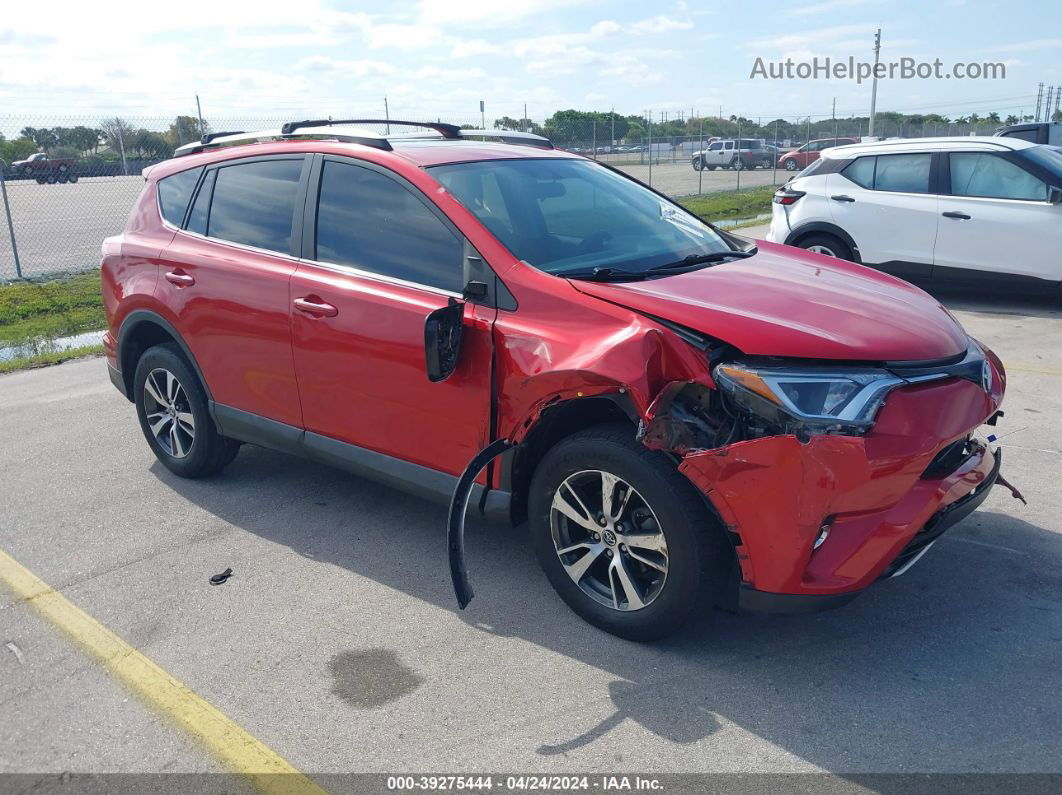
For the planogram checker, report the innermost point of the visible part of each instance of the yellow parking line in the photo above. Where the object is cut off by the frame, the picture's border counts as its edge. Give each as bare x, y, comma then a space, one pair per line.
236, 748
1026, 368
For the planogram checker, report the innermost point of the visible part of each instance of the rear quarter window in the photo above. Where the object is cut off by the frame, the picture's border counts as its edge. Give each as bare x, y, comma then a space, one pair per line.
174, 193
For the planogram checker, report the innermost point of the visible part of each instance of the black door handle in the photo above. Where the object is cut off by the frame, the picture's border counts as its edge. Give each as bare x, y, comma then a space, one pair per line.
961, 216
842, 198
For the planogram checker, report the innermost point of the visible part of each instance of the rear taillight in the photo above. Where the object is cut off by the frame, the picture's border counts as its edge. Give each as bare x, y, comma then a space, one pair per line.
787, 196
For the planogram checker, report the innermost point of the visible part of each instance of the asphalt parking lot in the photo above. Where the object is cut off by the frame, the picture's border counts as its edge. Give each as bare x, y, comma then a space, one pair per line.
59, 228
338, 642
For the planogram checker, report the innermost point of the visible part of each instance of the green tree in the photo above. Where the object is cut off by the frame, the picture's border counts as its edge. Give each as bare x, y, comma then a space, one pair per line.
185, 129
43, 137
18, 149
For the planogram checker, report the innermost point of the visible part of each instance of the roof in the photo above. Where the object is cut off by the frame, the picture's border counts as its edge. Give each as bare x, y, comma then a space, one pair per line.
981, 143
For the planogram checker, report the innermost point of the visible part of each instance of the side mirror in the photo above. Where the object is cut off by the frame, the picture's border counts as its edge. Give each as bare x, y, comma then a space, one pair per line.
443, 330
1054, 195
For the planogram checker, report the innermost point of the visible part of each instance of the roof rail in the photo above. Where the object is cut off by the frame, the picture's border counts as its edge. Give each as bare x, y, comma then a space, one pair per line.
510, 137
208, 137
445, 130
330, 128
364, 137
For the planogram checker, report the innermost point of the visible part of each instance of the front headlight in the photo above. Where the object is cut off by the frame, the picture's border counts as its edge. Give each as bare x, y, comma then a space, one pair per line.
805, 401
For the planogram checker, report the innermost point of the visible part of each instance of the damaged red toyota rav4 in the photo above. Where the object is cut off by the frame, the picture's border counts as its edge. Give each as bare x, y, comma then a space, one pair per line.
681, 418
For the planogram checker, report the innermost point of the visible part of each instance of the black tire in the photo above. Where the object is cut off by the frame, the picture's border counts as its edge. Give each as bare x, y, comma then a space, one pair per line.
698, 164
791, 165
205, 451
698, 559
711, 168
829, 245
41, 180
72, 178
51, 179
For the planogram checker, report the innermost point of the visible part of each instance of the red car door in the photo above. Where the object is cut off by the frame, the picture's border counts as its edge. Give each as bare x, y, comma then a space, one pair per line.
225, 278
380, 257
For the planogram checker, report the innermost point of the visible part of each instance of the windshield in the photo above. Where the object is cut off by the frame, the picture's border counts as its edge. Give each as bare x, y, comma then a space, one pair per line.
572, 215
1049, 157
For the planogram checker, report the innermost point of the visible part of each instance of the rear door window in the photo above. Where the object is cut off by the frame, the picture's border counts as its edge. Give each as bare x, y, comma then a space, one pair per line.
371, 222
174, 193
988, 175
254, 203
903, 173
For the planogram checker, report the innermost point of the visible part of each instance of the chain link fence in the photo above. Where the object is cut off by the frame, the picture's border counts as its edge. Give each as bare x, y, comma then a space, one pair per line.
70, 182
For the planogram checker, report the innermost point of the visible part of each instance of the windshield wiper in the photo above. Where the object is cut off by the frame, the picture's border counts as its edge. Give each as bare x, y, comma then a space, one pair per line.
700, 259
692, 262
604, 275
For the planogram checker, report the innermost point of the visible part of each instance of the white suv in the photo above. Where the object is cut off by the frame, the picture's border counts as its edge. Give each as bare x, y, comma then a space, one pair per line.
941, 209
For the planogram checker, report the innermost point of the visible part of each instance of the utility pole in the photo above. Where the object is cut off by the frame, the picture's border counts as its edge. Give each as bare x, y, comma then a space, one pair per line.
874, 84
612, 116
199, 110
1039, 99
482, 115
1047, 105
387, 115
834, 112
524, 121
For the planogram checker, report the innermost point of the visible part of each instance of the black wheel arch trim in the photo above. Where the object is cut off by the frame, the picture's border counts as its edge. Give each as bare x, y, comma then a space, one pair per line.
139, 317
827, 228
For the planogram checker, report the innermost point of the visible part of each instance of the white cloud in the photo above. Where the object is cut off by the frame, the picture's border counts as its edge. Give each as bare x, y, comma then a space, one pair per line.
825, 6
1034, 44
658, 24
352, 68
483, 13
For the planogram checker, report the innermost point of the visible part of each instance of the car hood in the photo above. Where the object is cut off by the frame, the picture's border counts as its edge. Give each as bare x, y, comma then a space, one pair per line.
789, 302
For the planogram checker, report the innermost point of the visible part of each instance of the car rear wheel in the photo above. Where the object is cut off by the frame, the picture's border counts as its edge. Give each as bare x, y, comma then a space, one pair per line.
623, 537
172, 408
828, 245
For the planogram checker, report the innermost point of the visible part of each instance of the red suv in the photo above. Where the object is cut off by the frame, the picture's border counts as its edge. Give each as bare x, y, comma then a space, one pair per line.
801, 158
681, 417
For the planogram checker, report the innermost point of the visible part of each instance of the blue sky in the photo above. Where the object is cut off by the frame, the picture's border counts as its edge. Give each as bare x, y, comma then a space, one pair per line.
440, 57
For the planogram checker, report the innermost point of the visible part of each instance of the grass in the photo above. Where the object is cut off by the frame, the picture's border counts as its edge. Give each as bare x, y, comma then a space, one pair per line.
32, 310
730, 204
46, 359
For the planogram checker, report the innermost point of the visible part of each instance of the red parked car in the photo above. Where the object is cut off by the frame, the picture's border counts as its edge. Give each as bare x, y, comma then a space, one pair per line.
801, 158
680, 417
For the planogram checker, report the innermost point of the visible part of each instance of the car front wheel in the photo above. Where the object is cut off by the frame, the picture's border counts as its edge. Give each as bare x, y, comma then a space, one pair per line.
623, 537
172, 408
790, 165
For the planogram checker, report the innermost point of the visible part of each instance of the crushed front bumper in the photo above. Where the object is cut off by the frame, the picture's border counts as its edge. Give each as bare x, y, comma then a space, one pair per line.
815, 523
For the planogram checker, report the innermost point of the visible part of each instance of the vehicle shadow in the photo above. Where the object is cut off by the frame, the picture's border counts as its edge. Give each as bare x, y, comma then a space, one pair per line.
1045, 304
953, 667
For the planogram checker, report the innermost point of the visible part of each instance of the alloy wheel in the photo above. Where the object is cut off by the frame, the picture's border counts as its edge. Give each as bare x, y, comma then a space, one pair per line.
608, 540
168, 412
819, 249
